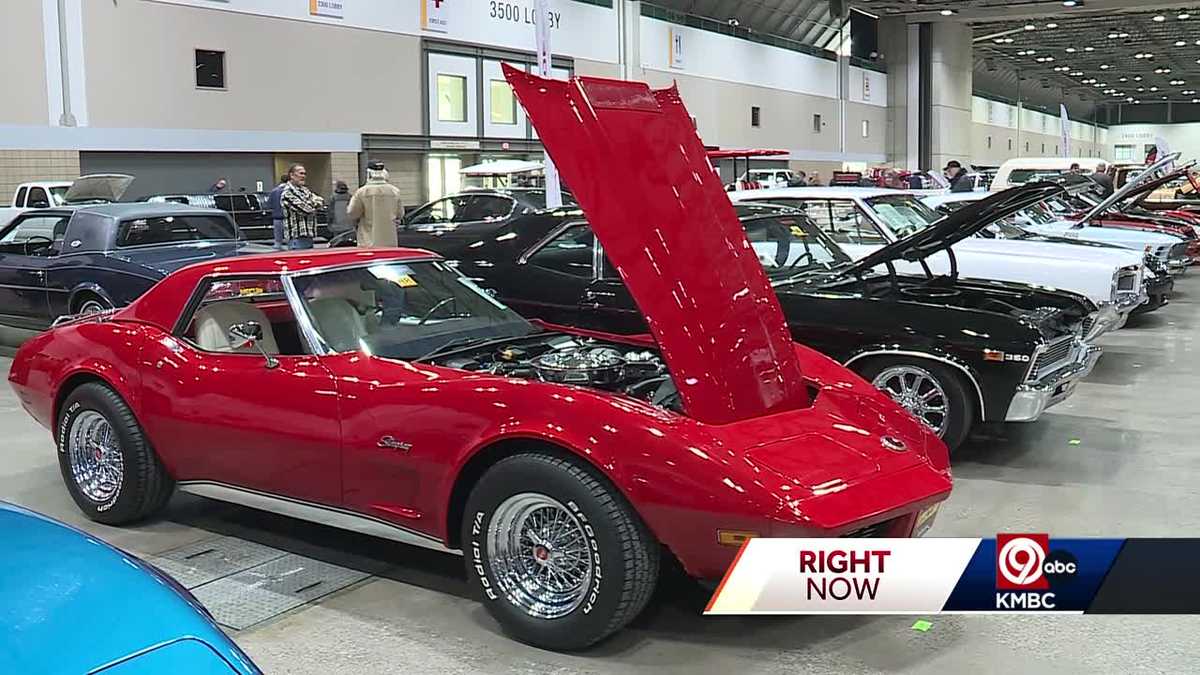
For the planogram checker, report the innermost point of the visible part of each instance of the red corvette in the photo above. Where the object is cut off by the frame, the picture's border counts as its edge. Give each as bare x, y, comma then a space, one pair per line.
383, 392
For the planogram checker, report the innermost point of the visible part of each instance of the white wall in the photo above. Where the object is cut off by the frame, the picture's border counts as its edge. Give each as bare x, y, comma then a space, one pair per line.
1038, 135
1184, 138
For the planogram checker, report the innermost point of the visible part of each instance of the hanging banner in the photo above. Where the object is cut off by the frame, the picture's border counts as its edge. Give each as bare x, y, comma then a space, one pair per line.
1066, 130
542, 27
434, 16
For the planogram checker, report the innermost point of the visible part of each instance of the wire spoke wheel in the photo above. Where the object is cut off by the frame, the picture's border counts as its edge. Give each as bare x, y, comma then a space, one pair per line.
94, 453
539, 555
917, 391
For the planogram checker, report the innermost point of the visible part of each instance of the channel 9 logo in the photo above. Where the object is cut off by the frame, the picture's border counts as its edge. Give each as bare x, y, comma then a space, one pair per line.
1026, 569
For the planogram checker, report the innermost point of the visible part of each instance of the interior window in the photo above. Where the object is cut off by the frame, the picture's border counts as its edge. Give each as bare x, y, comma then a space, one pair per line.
20, 200
227, 304
37, 199
904, 214
850, 223
442, 214
174, 229
45, 229
789, 240
58, 196
487, 207
570, 252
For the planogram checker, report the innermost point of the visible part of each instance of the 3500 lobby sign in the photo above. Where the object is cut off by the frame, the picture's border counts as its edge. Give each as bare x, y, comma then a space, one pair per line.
512, 12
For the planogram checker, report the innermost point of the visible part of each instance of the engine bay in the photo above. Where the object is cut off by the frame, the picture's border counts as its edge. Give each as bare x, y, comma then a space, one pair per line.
567, 359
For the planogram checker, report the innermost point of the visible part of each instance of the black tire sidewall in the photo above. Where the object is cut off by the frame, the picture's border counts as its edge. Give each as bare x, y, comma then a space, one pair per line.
589, 622
124, 505
962, 405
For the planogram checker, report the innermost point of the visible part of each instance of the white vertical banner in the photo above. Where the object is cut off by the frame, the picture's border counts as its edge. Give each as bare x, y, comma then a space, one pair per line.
1066, 129
542, 26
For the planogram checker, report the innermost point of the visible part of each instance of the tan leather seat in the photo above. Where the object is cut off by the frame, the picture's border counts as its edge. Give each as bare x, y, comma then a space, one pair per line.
338, 322
214, 321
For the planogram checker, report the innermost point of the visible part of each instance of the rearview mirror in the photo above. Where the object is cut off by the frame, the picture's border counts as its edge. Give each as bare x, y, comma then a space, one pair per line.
251, 334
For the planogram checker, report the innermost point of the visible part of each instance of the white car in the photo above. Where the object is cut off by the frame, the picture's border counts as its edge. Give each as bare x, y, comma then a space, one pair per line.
34, 195
864, 220
1022, 170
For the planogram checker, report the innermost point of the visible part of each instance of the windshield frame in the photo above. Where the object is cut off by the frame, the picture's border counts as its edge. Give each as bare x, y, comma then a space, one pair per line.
317, 343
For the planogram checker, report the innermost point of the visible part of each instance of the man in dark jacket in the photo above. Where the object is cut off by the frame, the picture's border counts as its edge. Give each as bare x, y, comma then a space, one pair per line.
957, 176
275, 203
1103, 179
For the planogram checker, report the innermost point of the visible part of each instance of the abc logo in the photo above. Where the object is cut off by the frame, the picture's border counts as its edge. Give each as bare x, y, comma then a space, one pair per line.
1024, 562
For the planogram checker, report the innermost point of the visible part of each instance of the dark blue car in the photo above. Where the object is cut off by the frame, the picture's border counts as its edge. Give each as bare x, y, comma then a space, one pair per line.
90, 258
70, 603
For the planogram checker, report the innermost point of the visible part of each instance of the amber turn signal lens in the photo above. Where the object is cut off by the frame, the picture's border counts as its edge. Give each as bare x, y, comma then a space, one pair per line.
992, 355
734, 537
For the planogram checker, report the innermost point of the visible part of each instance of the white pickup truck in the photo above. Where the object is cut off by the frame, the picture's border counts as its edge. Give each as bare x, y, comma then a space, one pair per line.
46, 194
35, 195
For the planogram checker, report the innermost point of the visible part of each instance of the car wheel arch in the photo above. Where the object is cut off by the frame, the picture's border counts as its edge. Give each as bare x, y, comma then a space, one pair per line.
476, 464
76, 380
83, 291
968, 373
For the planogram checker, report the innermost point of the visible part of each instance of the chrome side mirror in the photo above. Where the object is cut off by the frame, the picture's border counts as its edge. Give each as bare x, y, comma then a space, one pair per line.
251, 333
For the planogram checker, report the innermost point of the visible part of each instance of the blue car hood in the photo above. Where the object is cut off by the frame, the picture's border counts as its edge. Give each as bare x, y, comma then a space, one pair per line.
71, 603
168, 258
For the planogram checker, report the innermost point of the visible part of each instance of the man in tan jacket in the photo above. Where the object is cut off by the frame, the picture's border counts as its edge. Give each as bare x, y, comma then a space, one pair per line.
375, 207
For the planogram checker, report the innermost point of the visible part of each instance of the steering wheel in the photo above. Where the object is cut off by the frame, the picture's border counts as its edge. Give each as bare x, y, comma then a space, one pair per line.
440, 304
37, 238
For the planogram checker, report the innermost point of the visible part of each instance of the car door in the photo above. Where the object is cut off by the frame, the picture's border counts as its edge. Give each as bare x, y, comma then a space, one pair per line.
222, 412
27, 250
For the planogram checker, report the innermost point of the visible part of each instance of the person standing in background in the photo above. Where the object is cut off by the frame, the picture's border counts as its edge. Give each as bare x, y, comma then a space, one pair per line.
275, 204
376, 207
299, 209
218, 186
339, 209
814, 179
1103, 179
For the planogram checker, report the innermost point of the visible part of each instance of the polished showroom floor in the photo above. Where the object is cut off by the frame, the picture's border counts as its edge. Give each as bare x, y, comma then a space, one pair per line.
1120, 458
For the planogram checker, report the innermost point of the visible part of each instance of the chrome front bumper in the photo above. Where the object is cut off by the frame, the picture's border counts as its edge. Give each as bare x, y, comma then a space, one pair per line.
1109, 317
1177, 266
1032, 398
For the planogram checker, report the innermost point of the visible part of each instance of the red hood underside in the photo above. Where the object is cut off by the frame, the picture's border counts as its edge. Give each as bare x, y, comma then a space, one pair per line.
639, 171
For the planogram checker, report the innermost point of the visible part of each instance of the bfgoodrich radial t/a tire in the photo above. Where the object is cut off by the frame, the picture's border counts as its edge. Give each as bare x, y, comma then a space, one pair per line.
561, 560
111, 471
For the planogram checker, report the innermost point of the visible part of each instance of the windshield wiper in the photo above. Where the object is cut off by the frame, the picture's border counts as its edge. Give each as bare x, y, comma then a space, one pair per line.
456, 343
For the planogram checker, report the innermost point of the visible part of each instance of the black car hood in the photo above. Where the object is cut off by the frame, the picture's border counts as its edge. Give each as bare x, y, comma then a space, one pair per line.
957, 226
167, 259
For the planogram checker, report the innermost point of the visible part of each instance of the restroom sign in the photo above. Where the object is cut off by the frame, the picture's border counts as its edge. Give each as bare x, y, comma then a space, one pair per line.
676, 48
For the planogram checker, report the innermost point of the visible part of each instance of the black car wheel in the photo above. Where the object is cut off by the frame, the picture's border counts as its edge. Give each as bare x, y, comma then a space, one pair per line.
561, 560
929, 390
90, 303
111, 471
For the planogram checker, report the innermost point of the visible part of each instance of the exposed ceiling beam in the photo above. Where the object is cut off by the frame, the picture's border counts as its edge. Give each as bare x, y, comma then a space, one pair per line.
1042, 9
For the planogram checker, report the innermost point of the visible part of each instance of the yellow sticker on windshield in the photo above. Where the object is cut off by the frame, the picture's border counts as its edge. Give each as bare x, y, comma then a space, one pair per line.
406, 281
251, 290
797, 232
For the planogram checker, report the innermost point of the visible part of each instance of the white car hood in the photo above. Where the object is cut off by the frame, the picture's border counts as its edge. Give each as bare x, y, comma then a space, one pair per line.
1138, 239
1117, 257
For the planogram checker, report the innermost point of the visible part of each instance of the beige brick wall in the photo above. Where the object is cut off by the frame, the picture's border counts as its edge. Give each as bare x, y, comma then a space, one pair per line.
344, 167
19, 166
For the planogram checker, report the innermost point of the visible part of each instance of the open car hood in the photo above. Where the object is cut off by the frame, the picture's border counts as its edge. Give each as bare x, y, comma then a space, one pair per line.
1140, 195
641, 175
1130, 187
105, 187
957, 226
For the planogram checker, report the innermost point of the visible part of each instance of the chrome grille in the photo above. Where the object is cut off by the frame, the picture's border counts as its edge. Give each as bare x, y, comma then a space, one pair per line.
1088, 322
1052, 356
876, 530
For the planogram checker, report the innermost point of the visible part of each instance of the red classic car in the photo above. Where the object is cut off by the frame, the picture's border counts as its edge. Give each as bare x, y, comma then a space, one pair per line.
382, 391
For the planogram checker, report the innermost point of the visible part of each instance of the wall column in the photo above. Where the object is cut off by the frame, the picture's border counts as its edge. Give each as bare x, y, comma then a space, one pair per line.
629, 18
951, 81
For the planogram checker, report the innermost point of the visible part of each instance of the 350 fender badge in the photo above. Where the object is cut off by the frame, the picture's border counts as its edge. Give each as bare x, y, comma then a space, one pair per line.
390, 443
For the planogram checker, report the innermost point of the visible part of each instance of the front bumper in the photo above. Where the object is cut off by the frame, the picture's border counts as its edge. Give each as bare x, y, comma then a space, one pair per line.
1108, 317
1032, 398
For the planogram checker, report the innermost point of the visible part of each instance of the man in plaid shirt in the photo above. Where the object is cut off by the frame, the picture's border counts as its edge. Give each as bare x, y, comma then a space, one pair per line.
299, 209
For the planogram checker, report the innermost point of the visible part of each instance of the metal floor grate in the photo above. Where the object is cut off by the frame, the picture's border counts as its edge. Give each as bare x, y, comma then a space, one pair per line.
243, 583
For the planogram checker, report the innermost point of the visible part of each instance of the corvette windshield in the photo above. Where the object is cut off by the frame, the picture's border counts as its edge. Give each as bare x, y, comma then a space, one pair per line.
403, 310
904, 214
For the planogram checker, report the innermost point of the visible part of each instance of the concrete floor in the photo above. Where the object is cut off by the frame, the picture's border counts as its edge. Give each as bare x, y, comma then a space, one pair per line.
1134, 472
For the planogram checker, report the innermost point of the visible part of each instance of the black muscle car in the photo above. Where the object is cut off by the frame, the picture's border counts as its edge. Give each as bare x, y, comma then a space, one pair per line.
91, 258
954, 352
464, 213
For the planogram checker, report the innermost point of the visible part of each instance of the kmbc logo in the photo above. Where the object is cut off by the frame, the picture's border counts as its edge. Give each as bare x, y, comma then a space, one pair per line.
1027, 571
1020, 561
